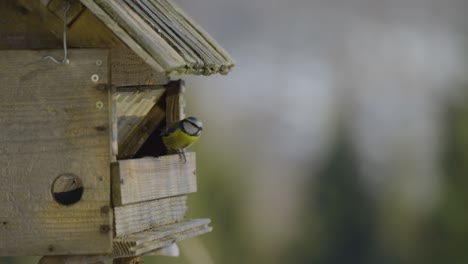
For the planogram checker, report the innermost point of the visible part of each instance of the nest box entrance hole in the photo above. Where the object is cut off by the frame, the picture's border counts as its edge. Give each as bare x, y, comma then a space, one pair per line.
142, 114
154, 145
67, 189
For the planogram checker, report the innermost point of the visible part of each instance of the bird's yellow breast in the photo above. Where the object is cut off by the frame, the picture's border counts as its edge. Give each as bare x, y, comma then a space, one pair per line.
178, 139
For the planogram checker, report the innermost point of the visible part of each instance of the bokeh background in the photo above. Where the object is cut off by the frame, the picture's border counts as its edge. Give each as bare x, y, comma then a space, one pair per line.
341, 136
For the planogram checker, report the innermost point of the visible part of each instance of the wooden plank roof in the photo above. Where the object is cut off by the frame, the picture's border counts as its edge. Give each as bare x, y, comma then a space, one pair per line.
162, 35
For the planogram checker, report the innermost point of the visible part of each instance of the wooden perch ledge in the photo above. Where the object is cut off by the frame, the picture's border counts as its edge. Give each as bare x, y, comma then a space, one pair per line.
146, 179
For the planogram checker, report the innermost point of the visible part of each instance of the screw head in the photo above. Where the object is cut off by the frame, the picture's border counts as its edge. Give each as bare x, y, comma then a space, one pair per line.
101, 86
104, 229
99, 104
98, 62
94, 77
50, 248
105, 209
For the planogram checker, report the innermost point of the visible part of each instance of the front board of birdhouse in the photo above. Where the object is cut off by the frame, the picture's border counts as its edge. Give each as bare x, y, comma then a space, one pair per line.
54, 153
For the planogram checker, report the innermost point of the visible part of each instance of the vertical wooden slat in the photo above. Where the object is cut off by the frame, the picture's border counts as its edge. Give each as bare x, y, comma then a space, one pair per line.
175, 102
114, 123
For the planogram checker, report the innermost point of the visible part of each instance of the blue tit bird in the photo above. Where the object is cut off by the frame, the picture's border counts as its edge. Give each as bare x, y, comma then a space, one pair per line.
182, 134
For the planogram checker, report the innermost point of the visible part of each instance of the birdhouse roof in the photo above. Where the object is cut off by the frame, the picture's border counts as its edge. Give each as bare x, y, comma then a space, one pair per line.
163, 36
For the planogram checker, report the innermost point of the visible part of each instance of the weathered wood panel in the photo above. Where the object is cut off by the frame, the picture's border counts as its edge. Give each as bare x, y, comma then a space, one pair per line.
16, 31
139, 114
122, 34
89, 31
74, 259
128, 260
57, 7
113, 121
146, 179
157, 24
159, 33
148, 39
54, 120
200, 35
128, 69
132, 106
138, 217
175, 102
85, 30
152, 18
145, 242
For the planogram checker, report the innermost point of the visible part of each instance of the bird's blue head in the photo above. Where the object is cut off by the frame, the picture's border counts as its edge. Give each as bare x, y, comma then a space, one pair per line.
192, 125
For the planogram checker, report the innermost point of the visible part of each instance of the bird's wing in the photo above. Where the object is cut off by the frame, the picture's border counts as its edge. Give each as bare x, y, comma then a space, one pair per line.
164, 131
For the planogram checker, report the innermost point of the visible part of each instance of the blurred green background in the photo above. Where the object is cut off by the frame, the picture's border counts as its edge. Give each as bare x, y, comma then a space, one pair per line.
341, 136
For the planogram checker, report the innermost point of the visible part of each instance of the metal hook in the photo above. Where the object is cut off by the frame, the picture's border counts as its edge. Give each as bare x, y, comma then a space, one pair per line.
65, 51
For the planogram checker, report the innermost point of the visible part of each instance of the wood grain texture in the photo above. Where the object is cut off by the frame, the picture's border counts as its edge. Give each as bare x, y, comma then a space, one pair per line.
132, 106
122, 34
73, 259
169, 36
161, 35
16, 31
127, 260
146, 37
46, 18
85, 30
138, 217
88, 31
113, 121
201, 53
147, 241
174, 33
139, 114
128, 69
175, 102
146, 179
51, 125
57, 7
154, 19
201, 35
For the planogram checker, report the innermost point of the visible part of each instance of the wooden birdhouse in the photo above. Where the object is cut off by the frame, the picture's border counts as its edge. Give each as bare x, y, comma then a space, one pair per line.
85, 89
